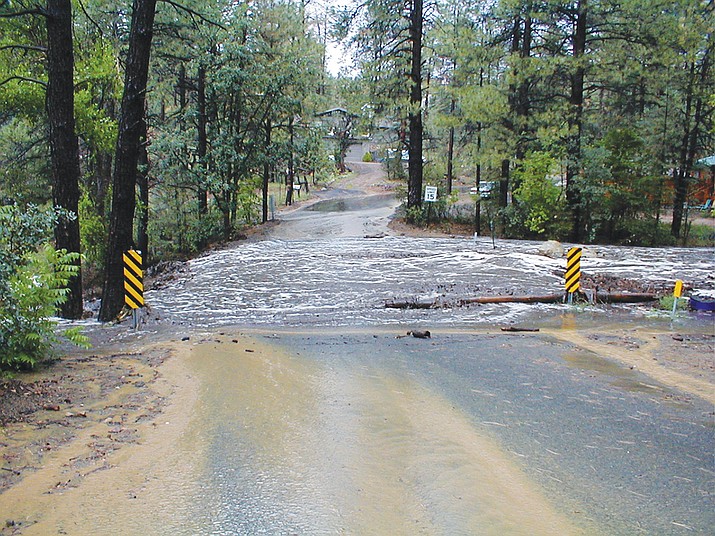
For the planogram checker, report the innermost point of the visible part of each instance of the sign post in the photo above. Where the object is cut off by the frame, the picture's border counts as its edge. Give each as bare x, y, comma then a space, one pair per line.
573, 272
133, 283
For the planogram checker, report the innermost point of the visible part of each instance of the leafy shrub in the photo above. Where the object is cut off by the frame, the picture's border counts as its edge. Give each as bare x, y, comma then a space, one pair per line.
416, 216
394, 166
666, 303
33, 283
93, 233
367, 157
539, 200
700, 236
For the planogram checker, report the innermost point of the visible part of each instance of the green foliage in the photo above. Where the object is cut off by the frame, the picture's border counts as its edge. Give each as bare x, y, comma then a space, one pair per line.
539, 206
393, 165
700, 236
416, 216
666, 303
620, 189
33, 283
367, 157
93, 232
24, 162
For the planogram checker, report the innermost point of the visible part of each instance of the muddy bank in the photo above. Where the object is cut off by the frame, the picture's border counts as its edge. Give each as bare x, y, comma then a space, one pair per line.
44, 411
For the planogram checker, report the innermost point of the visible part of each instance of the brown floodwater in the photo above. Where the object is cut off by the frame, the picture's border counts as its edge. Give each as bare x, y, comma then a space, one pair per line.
258, 440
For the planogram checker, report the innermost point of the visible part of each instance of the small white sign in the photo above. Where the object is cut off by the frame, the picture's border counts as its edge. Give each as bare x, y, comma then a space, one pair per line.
430, 194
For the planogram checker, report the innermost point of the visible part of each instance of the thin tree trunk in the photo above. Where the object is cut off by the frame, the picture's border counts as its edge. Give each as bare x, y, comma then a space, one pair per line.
290, 179
694, 117
573, 142
266, 172
202, 139
414, 166
450, 150
64, 146
125, 167
143, 189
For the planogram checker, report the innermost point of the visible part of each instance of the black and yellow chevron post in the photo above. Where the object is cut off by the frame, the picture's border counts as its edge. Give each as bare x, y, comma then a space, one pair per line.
573, 271
133, 279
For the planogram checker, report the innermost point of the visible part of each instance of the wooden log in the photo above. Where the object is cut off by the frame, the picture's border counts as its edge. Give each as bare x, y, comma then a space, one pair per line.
550, 298
412, 305
623, 297
601, 297
512, 328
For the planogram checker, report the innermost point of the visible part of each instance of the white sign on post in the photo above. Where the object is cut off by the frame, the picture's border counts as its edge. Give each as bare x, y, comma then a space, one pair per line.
430, 194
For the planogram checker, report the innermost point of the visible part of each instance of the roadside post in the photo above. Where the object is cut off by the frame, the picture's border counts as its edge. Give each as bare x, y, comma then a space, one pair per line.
573, 272
133, 284
430, 197
677, 293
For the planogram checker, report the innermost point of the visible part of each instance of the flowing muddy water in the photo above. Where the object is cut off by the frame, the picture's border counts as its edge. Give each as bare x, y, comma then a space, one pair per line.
346, 281
355, 433
269, 443
335, 263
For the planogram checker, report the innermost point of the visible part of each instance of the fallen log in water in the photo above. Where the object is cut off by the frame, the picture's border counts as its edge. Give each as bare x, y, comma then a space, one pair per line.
600, 297
550, 298
623, 297
413, 305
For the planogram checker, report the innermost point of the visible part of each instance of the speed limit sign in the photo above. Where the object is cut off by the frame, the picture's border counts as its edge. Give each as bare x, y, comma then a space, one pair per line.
430, 194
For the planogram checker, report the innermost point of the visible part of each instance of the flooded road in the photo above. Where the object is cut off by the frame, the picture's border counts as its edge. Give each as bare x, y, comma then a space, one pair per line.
336, 263
347, 280
297, 405
324, 433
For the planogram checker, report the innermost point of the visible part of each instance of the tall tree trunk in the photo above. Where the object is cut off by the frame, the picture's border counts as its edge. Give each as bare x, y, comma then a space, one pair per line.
523, 104
478, 208
513, 120
573, 141
121, 222
450, 150
202, 139
692, 125
64, 147
143, 190
266, 172
414, 166
290, 178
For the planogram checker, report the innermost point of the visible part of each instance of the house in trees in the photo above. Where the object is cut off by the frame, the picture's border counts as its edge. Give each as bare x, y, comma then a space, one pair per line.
352, 146
704, 184
339, 124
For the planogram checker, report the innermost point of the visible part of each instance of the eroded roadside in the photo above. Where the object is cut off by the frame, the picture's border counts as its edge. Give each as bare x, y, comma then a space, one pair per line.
681, 360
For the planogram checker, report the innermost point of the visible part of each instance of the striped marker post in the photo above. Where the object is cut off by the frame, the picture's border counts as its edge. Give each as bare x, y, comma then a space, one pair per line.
573, 272
133, 283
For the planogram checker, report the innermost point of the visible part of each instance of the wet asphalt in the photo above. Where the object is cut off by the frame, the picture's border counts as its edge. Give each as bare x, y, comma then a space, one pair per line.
616, 452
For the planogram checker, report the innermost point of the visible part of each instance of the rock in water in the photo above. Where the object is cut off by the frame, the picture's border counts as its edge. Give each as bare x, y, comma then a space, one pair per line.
420, 334
552, 249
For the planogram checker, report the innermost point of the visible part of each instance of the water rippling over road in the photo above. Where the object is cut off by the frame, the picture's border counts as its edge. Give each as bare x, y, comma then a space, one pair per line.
346, 281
